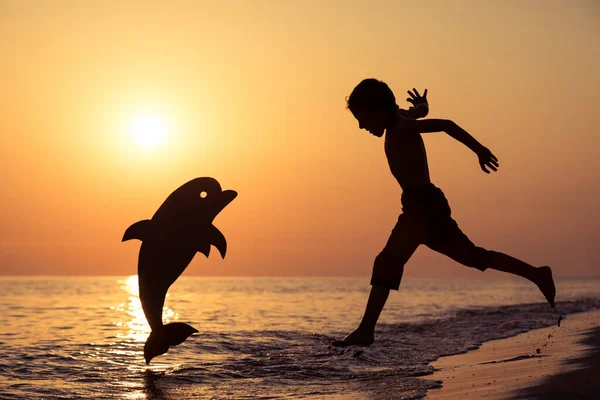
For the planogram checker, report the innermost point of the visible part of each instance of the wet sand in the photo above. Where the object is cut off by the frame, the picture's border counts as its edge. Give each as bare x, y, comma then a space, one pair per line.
549, 363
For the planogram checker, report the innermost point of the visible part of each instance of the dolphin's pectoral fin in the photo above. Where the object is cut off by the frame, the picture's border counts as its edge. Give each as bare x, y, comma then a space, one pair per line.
212, 237
204, 248
218, 240
140, 230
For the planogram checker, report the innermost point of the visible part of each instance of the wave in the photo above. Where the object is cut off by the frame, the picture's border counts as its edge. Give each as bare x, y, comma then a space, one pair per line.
270, 363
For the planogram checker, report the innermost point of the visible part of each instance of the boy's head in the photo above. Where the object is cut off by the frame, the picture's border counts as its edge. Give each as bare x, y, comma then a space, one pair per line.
373, 104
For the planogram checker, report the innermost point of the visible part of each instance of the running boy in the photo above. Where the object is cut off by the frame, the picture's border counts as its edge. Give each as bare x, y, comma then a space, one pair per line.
425, 217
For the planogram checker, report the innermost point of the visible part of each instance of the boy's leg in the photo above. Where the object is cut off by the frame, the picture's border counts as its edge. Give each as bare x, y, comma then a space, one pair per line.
364, 335
388, 268
453, 243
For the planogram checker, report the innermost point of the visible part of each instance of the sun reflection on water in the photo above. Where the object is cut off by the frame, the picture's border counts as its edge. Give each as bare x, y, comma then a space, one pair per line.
137, 328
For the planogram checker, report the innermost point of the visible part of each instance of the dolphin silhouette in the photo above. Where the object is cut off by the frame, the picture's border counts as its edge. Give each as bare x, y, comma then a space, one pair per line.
181, 227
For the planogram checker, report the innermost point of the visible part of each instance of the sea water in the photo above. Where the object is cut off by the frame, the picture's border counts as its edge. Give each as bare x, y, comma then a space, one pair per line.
83, 337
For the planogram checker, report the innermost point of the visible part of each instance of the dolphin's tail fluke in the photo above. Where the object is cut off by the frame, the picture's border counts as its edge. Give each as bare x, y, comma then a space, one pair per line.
177, 332
168, 335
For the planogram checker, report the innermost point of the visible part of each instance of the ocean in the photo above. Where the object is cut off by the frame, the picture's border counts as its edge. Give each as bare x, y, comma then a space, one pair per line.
268, 338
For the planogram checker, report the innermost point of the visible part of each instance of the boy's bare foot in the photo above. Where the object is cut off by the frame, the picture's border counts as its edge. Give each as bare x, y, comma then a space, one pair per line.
356, 338
546, 284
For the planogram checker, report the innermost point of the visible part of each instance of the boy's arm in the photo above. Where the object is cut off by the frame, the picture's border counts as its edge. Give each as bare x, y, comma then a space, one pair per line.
419, 111
420, 106
486, 158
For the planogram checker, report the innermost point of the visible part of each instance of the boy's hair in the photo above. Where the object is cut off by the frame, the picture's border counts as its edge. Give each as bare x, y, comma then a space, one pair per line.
371, 94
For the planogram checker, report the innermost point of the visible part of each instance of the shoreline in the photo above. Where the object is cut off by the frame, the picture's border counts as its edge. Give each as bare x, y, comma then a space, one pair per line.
538, 364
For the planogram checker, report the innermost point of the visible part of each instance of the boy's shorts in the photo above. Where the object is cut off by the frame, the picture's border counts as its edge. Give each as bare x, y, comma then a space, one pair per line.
425, 219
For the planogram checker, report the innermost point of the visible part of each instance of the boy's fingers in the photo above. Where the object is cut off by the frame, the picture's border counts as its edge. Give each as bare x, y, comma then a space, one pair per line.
417, 92
492, 167
484, 170
425, 93
495, 163
411, 94
493, 157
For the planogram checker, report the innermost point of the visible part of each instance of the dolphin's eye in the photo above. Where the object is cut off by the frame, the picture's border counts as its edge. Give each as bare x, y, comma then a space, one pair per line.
203, 194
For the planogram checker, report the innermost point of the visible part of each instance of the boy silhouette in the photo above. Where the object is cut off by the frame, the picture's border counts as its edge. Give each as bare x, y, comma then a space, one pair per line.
425, 217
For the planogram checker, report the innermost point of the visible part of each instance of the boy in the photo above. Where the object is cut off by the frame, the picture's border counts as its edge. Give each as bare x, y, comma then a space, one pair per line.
425, 217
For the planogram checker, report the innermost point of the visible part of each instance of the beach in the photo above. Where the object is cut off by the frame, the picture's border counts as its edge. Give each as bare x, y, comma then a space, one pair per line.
557, 362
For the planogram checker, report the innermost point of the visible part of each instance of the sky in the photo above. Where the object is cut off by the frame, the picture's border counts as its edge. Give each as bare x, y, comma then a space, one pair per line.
253, 93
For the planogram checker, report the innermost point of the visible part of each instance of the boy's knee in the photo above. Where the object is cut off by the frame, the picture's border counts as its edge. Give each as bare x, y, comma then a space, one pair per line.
387, 271
479, 258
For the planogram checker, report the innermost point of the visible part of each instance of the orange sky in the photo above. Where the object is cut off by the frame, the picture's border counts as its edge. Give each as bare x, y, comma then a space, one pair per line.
252, 93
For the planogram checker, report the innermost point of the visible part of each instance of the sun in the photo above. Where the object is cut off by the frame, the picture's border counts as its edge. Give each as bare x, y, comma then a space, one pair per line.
148, 131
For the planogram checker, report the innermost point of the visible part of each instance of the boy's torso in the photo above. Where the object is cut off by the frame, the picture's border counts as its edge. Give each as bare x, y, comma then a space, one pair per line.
407, 158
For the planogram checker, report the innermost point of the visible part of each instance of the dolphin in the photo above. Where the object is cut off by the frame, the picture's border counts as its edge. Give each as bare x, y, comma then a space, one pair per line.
181, 227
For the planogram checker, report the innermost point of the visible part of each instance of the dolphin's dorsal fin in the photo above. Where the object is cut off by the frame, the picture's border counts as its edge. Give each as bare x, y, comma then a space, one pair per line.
140, 230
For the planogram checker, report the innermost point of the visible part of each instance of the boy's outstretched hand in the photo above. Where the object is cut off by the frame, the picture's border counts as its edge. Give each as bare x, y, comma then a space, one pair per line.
487, 160
416, 99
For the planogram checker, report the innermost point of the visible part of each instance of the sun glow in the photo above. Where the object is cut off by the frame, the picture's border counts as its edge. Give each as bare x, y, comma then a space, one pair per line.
135, 326
148, 131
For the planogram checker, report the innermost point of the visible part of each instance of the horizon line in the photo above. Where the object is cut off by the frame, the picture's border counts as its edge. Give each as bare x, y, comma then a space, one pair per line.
284, 276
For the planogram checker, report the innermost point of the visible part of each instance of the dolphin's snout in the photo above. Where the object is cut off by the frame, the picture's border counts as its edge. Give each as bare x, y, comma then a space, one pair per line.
227, 196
